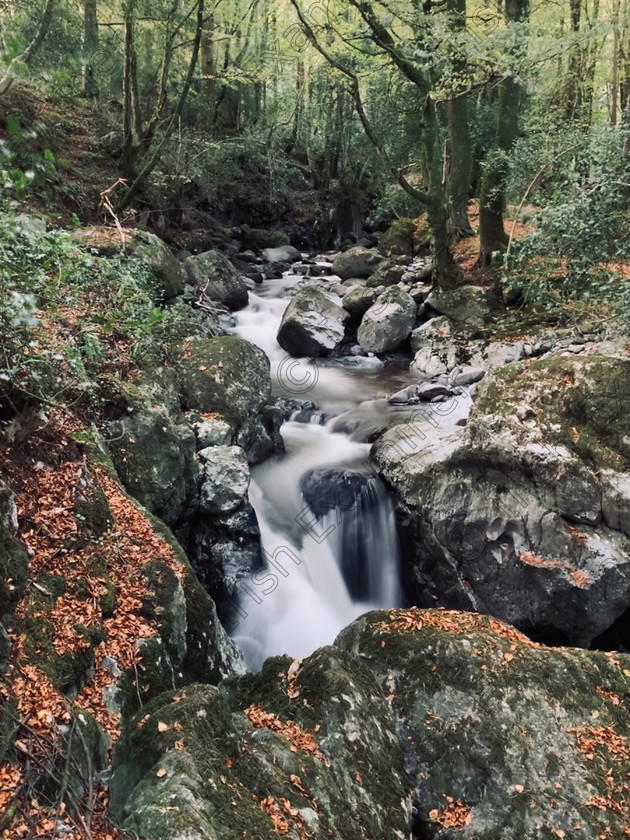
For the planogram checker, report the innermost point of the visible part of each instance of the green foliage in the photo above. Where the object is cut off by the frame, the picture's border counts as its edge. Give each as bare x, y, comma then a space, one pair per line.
578, 184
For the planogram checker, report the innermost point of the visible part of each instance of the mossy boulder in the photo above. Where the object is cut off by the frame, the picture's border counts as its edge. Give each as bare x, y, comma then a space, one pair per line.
312, 324
469, 305
153, 452
398, 239
140, 245
257, 239
225, 376
502, 738
315, 754
357, 262
216, 278
523, 514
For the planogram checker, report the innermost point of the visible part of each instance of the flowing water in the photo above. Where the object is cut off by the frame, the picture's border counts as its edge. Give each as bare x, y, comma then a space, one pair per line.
321, 571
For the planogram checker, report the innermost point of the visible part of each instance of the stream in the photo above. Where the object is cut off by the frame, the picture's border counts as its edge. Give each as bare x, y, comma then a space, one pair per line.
325, 569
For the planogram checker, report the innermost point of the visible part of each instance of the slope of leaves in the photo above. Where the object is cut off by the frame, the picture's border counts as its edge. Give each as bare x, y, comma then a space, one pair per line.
51, 477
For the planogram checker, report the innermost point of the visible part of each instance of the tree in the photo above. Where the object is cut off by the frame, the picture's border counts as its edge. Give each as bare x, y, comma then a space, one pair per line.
30, 52
90, 46
492, 192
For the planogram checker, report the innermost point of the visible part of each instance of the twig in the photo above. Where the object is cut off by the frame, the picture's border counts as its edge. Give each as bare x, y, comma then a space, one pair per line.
105, 206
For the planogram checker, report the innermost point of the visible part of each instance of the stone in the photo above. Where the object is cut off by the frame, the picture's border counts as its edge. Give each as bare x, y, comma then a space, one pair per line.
388, 322
465, 304
226, 376
283, 254
140, 245
399, 238
215, 277
212, 433
522, 513
387, 275
312, 324
154, 455
224, 480
462, 377
256, 239
357, 262
358, 299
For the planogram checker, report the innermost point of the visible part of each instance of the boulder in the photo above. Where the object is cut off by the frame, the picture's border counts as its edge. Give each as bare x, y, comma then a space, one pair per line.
502, 738
312, 324
153, 451
358, 299
224, 479
416, 723
465, 304
225, 376
357, 262
257, 239
283, 254
388, 322
399, 238
387, 275
140, 245
322, 762
507, 516
216, 278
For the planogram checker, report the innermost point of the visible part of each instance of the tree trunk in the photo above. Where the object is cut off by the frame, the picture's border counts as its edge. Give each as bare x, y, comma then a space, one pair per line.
459, 171
90, 47
207, 61
131, 140
492, 191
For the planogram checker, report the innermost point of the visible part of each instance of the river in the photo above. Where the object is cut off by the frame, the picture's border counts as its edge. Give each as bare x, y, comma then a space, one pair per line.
322, 570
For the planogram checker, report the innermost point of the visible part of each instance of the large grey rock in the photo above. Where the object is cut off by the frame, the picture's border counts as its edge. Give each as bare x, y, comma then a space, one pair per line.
225, 376
357, 262
216, 278
141, 245
502, 738
386, 275
322, 762
388, 322
358, 300
283, 254
522, 514
417, 723
225, 479
465, 304
312, 324
153, 451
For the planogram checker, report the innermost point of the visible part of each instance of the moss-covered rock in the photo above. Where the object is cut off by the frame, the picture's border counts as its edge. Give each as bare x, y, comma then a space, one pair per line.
523, 514
225, 375
399, 238
502, 738
315, 755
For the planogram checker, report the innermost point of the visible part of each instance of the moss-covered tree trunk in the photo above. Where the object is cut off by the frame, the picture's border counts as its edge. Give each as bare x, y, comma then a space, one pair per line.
90, 46
460, 161
492, 191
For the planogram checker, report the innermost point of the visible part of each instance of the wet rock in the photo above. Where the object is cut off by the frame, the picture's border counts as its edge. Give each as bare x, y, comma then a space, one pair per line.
388, 322
462, 377
217, 279
313, 323
386, 275
357, 262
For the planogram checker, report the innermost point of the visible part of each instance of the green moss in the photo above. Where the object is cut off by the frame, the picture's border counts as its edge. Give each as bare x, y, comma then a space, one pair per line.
107, 602
94, 635
92, 443
164, 583
13, 570
8, 728
153, 675
93, 514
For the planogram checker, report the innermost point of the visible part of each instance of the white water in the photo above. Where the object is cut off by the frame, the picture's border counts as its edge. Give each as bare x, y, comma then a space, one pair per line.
301, 601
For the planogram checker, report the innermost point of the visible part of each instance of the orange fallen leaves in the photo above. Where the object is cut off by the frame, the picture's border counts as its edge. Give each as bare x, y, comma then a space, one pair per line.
286, 729
591, 737
454, 815
49, 475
